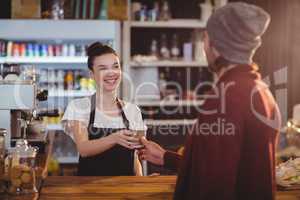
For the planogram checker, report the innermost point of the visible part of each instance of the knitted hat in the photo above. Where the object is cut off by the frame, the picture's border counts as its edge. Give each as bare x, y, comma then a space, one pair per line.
235, 30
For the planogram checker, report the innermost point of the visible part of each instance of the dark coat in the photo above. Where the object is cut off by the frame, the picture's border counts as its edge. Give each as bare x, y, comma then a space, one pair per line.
230, 154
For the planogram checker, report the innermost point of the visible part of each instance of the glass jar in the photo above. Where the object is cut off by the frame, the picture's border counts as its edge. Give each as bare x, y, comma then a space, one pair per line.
22, 177
293, 134
2, 159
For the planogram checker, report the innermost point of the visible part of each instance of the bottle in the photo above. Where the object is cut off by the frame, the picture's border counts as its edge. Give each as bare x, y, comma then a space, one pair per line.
103, 11
154, 48
175, 47
50, 50
15, 50
69, 80
22, 49
188, 50
65, 50
154, 13
2, 48
60, 80
165, 14
199, 54
164, 51
51, 80
162, 85
77, 76
9, 48
29, 50
44, 50
72, 50
36, 51
143, 13
83, 50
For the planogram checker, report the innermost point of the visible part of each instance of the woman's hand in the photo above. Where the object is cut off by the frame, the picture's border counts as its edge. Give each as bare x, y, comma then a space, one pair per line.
125, 138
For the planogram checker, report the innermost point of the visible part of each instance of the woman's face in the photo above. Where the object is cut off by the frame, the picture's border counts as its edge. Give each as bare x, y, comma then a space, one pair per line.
107, 72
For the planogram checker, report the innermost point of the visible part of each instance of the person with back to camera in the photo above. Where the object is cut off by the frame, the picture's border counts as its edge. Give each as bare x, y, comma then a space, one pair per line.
239, 162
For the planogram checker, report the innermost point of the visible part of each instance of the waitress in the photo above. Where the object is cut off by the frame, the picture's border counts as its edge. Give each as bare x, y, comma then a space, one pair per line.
101, 125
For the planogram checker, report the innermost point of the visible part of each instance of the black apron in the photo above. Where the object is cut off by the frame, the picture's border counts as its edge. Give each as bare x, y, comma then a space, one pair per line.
116, 161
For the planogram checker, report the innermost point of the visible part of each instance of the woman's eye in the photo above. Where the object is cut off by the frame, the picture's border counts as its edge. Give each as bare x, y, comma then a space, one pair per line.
116, 66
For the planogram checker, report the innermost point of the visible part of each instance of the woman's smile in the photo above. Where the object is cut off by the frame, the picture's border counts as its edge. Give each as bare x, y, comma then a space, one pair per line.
111, 80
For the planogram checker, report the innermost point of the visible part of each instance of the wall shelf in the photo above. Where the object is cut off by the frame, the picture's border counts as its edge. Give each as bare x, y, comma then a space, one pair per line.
174, 23
45, 29
70, 93
43, 60
168, 63
68, 159
171, 103
55, 127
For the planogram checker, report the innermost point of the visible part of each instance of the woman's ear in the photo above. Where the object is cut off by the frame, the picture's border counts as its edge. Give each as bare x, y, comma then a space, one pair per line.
91, 74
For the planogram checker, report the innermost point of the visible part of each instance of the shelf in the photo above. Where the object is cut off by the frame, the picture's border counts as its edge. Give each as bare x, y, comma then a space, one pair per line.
171, 103
35, 60
70, 93
55, 127
168, 63
67, 159
45, 29
175, 23
174, 122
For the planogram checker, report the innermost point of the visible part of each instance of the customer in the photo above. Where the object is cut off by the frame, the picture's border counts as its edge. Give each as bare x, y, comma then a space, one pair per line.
230, 153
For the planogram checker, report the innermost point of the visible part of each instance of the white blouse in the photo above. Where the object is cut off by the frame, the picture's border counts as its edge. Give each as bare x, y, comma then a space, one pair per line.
79, 110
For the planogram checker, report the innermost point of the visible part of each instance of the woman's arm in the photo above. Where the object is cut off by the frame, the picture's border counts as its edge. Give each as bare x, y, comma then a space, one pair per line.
88, 147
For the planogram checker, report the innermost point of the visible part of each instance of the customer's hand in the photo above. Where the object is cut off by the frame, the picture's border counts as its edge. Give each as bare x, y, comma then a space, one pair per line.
125, 138
151, 152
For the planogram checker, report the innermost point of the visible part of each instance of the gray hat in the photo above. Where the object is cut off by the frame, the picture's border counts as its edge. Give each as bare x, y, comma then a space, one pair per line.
235, 30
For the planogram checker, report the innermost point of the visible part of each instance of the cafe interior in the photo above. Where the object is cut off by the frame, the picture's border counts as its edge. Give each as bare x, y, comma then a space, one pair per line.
101, 99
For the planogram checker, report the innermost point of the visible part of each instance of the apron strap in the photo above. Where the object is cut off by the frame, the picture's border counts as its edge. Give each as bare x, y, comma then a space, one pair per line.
93, 108
119, 104
125, 120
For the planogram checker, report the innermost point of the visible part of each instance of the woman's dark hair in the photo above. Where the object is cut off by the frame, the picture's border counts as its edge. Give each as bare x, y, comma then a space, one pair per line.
98, 49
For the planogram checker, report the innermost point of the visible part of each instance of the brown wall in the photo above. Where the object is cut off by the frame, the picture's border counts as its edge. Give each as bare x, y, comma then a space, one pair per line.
281, 44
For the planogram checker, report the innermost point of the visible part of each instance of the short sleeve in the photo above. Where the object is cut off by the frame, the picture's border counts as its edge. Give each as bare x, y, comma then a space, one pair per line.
77, 110
134, 115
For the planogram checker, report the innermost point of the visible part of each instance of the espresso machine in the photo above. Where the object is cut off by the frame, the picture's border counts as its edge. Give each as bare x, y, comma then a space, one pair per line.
15, 96
18, 101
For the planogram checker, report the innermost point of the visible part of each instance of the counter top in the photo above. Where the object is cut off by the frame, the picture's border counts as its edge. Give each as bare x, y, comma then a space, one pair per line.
108, 188
146, 188
125, 187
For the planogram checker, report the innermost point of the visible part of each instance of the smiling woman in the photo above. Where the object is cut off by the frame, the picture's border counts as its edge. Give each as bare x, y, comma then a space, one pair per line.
100, 125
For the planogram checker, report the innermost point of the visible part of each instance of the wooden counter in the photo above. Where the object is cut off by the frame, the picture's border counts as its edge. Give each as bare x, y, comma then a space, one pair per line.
108, 188
79, 188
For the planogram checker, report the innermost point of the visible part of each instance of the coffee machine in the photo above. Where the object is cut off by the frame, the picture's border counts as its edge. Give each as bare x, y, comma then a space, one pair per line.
18, 100
15, 96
